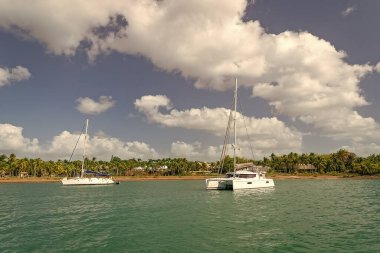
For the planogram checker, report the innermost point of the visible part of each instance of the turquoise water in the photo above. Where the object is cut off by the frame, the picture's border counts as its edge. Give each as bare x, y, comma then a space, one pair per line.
180, 216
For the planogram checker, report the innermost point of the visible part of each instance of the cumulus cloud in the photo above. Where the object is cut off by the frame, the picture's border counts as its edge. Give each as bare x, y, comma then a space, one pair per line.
267, 134
13, 141
183, 149
47, 22
348, 11
18, 73
363, 149
87, 105
201, 119
328, 107
62, 145
199, 152
377, 68
196, 151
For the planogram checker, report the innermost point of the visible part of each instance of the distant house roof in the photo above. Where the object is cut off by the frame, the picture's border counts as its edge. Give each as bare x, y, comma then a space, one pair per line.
24, 174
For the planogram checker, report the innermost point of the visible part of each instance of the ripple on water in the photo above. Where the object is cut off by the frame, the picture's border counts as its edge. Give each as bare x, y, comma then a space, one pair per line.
180, 216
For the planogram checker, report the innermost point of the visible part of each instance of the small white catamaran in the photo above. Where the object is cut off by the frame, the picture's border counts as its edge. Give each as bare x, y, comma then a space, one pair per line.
88, 177
241, 178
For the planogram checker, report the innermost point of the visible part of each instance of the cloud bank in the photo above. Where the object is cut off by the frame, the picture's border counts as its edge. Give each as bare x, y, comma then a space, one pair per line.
62, 145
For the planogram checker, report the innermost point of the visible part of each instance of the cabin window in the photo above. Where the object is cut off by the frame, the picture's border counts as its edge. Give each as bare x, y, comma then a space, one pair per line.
247, 175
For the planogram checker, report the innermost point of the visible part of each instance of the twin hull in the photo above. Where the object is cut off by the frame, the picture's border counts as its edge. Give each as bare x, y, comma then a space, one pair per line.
87, 181
237, 183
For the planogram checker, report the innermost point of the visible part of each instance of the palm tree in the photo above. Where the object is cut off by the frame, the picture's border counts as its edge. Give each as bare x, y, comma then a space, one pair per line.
59, 168
23, 165
4, 166
12, 163
38, 163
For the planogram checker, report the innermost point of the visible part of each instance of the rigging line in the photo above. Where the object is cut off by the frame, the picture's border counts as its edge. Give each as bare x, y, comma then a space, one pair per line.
246, 130
76, 144
226, 138
224, 149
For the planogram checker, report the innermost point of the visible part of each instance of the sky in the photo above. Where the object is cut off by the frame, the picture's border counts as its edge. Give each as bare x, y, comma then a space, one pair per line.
156, 78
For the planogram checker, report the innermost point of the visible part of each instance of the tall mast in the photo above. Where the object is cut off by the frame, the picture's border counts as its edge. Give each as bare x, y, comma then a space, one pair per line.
84, 149
235, 144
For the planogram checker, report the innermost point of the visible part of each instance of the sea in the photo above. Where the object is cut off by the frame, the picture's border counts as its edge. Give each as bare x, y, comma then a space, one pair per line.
316, 215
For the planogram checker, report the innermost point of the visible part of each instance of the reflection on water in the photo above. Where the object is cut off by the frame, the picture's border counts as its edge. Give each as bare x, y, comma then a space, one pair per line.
243, 193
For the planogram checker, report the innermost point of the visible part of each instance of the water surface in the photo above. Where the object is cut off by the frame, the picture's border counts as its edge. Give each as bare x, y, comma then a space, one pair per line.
339, 215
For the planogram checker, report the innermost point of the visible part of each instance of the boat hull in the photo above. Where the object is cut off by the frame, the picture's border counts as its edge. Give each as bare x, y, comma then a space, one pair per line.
87, 181
238, 183
242, 183
218, 184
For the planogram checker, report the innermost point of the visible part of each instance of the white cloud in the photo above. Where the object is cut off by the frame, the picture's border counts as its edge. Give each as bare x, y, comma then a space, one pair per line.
195, 151
101, 147
202, 119
348, 11
88, 106
363, 149
182, 149
328, 107
13, 141
18, 73
344, 124
267, 134
62, 145
47, 21
377, 68
198, 152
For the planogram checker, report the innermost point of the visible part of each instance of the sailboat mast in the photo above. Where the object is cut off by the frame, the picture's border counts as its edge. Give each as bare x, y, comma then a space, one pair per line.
84, 149
235, 105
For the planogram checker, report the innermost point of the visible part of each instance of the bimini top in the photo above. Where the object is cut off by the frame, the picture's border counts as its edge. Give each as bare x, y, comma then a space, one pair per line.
97, 173
241, 172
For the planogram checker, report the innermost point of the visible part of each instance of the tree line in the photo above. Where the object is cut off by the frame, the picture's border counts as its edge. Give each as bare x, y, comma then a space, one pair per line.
342, 161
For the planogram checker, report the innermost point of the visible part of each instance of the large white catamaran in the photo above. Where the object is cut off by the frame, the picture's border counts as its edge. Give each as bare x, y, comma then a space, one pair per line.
248, 178
88, 177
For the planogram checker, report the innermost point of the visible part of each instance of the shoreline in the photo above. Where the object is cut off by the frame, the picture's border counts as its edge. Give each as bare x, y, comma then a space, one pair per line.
281, 177
175, 178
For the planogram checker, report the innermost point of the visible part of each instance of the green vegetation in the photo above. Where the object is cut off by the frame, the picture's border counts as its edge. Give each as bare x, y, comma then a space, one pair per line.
342, 162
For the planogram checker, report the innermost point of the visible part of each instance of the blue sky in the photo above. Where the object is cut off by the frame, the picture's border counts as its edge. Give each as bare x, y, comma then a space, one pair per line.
156, 78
